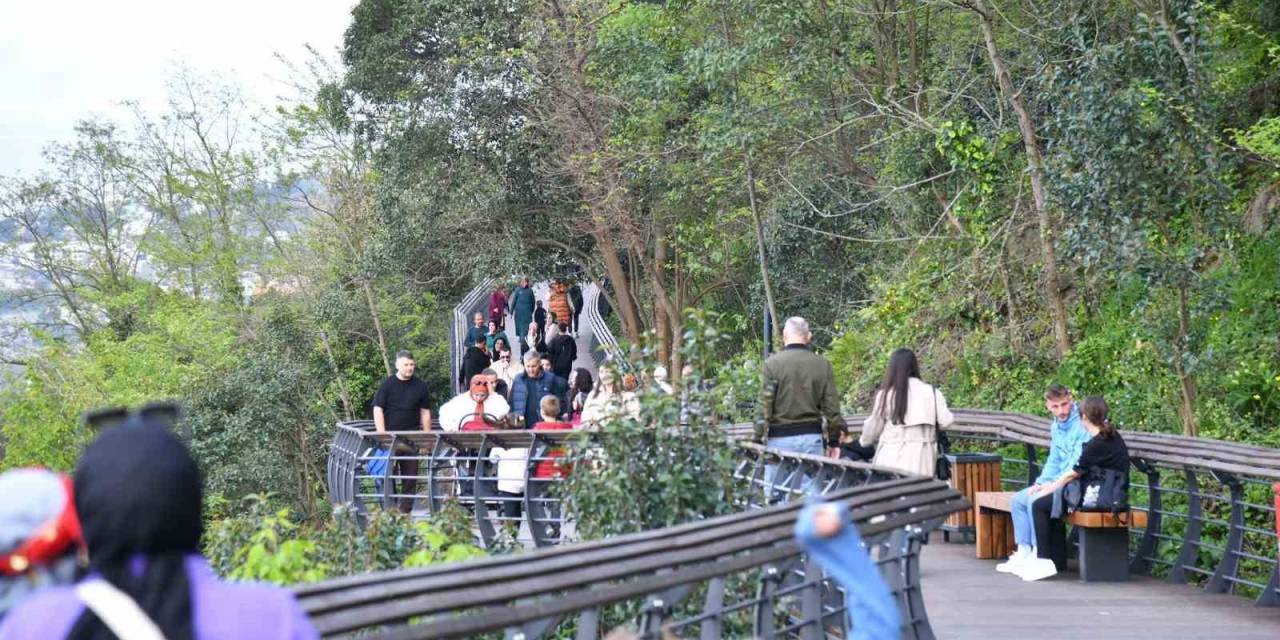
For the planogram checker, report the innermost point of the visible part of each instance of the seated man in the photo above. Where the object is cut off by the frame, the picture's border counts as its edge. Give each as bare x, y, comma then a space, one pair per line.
1066, 438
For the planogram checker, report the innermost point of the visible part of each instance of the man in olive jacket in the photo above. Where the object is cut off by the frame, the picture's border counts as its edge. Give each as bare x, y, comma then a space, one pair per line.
799, 398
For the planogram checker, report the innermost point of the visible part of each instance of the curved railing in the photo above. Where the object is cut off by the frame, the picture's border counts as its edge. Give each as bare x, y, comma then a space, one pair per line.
476, 301
1210, 522
1210, 503
740, 575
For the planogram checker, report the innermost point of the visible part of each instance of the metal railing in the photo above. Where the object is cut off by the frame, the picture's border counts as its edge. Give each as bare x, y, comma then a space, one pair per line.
476, 300
1210, 505
1211, 522
740, 575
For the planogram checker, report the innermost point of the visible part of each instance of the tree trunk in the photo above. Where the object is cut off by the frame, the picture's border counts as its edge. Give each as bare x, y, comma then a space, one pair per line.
1035, 165
758, 225
662, 324
377, 324
343, 394
614, 270
1186, 380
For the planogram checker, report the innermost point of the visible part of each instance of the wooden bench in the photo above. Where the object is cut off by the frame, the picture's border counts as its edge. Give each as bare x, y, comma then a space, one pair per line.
1103, 547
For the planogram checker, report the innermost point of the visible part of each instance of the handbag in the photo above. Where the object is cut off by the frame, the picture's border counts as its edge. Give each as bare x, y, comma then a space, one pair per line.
942, 468
1105, 490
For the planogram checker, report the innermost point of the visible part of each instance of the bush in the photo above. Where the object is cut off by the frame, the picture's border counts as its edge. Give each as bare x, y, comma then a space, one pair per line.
267, 544
638, 474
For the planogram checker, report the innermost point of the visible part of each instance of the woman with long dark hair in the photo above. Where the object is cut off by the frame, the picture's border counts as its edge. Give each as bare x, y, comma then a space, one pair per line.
138, 494
580, 385
905, 417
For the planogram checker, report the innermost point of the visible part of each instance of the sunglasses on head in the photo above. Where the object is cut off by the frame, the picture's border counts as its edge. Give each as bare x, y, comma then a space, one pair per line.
98, 419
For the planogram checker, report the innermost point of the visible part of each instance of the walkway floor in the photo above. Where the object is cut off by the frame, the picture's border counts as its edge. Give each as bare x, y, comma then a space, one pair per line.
542, 291
967, 598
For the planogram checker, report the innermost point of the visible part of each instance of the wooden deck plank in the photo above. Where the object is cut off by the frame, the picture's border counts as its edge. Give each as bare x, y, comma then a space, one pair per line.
966, 598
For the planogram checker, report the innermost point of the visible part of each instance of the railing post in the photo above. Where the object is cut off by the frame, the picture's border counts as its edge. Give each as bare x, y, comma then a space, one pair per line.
769, 579
811, 602
655, 612
480, 489
1191, 537
713, 606
1141, 563
388, 484
1270, 595
1033, 467
588, 625
1224, 576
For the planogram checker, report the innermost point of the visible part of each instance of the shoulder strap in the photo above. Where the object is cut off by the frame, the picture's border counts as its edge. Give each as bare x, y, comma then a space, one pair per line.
935, 410
120, 613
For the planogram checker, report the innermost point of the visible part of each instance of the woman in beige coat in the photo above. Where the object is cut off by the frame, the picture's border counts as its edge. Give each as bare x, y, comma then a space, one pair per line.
905, 417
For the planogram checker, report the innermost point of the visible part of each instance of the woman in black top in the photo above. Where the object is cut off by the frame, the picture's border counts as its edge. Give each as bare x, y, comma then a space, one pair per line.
1105, 450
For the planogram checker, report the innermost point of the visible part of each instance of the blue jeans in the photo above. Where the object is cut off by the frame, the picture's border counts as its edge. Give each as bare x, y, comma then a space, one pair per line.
1024, 522
808, 444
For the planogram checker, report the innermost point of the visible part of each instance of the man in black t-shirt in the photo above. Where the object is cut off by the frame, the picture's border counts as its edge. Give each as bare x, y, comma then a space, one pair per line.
402, 403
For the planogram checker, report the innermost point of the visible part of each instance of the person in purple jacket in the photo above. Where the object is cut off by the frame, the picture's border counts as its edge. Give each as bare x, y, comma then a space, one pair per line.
138, 493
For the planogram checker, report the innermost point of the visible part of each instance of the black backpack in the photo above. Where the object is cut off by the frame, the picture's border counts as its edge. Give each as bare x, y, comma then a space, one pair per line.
1100, 489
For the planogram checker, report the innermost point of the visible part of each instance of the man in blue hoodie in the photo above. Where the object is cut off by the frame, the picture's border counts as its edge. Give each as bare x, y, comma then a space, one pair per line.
1066, 438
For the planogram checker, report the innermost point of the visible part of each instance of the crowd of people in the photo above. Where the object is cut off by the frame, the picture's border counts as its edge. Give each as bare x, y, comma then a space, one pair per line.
88, 558
551, 330
801, 414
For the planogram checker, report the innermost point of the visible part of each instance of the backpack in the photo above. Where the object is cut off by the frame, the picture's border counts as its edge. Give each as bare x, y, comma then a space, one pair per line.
1100, 489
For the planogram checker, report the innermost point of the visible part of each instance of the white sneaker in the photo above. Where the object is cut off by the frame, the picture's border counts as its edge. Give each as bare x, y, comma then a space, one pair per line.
1015, 560
1037, 569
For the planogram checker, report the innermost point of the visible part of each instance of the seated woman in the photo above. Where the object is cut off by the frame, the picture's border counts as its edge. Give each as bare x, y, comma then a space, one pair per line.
138, 493
1104, 450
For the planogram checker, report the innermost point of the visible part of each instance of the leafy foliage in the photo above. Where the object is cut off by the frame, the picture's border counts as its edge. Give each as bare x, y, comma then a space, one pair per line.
265, 543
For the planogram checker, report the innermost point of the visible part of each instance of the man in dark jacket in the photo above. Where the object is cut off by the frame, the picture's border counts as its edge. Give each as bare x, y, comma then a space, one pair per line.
800, 402
563, 351
477, 329
475, 360
575, 298
530, 387
540, 317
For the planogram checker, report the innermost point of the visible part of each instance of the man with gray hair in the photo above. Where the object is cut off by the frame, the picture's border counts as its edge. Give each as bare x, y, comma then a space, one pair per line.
531, 386
801, 406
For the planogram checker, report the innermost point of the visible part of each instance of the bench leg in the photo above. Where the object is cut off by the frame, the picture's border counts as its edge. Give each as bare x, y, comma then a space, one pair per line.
993, 534
1104, 554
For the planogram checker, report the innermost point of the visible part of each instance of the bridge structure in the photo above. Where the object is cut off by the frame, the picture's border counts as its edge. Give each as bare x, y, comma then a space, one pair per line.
1205, 566
596, 341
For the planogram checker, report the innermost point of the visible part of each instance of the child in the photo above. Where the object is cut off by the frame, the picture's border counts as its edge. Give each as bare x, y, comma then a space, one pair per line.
545, 515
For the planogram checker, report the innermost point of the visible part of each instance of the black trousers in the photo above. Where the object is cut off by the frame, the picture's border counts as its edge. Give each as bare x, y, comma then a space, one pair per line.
1051, 533
408, 486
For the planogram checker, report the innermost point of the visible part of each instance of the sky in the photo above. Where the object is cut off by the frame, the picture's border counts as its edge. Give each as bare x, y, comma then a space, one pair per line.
66, 60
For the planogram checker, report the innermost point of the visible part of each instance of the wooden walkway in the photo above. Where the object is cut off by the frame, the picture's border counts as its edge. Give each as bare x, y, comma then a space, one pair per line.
967, 598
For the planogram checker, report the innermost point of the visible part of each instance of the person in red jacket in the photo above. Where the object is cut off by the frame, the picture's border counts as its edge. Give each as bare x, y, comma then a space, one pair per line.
498, 307
542, 513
